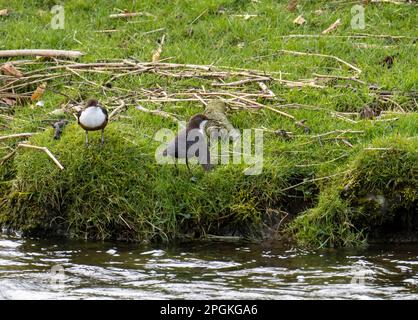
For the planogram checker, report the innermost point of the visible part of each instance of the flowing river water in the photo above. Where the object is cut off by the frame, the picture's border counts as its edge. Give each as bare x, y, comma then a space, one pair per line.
40, 269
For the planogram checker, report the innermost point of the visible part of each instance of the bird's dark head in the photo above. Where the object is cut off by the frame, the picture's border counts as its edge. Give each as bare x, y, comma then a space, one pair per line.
92, 103
196, 120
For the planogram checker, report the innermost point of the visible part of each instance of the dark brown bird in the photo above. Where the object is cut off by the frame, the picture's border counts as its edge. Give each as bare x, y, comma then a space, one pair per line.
92, 118
191, 142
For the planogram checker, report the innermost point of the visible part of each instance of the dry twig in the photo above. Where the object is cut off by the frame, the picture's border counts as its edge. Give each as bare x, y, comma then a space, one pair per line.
315, 179
332, 27
17, 135
157, 112
298, 53
117, 110
44, 149
29, 146
40, 52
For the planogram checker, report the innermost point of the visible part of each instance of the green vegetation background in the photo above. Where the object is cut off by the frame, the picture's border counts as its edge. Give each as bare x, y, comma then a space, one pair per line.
119, 192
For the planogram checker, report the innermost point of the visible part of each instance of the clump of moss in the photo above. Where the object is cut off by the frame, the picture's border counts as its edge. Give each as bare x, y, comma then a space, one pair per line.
378, 194
119, 191
77, 199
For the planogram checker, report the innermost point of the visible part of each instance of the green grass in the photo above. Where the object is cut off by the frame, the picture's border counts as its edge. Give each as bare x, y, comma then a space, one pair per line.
377, 194
120, 192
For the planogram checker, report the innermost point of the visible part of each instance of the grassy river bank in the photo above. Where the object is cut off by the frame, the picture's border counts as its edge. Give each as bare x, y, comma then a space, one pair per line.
338, 113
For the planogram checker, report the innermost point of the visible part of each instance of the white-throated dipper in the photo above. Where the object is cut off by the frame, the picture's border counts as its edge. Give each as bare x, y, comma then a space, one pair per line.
191, 142
93, 117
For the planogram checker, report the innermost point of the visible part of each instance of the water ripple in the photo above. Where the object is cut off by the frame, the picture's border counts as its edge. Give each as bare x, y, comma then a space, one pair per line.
31, 269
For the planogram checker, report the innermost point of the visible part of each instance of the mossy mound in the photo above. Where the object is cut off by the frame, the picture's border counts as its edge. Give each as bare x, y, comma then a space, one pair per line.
119, 191
377, 198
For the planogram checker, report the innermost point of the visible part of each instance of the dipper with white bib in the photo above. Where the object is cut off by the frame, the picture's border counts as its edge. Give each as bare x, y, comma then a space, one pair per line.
92, 118
191, 142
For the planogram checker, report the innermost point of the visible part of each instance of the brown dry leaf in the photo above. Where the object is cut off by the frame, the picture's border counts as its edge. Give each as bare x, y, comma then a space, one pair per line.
241, 45
4, 12
299, 20
9, 69
332, 27
157, 53
38, 93
292, 5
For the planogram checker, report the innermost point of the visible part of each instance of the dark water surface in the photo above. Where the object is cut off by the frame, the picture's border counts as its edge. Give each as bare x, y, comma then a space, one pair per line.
38, 269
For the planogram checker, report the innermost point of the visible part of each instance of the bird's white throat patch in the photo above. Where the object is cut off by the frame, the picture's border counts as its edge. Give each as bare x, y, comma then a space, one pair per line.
202, 126
92, 117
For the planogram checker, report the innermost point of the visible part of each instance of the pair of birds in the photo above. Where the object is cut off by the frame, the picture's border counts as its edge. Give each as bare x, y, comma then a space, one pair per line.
189, 142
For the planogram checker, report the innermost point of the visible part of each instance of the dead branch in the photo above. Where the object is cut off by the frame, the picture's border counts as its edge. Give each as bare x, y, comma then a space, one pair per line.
321, 163
199, 16
330, 76
7, 157
280, 112
118, 109
340, 116
378, 149
315, 179
347, 143
17, 135
354, 36
338, 131
393, 2
44, 149
40, 52
157, 112
298, 53
332, 27
200, 99
130, 15
243, 81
